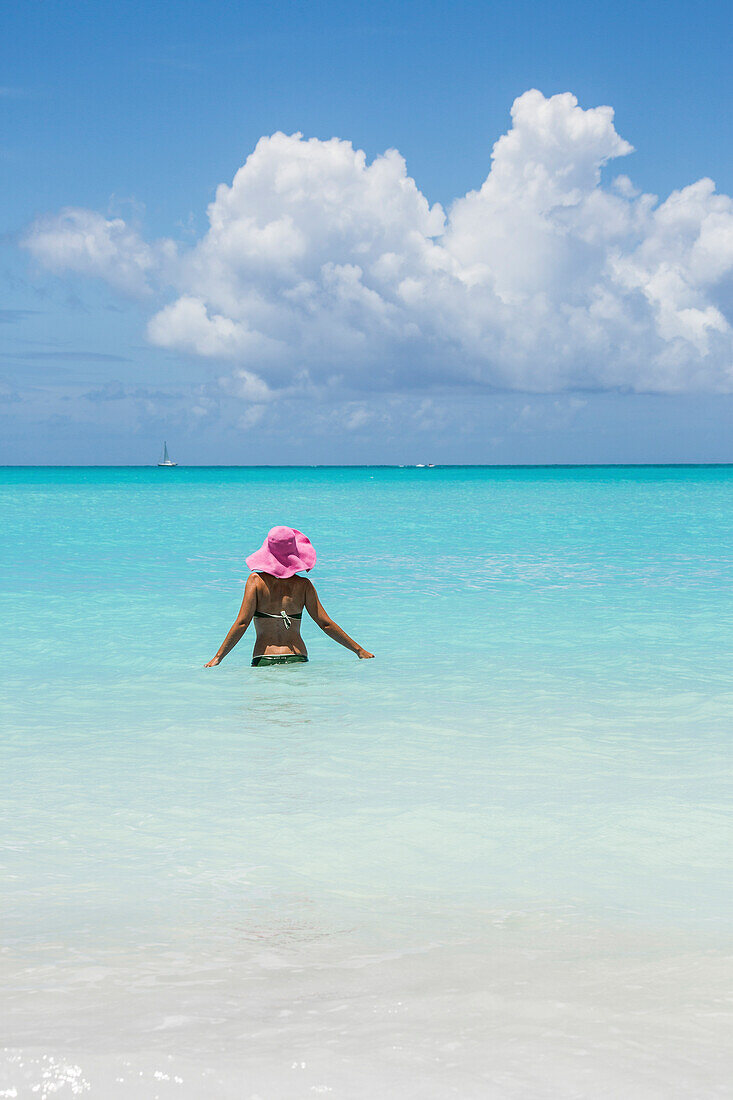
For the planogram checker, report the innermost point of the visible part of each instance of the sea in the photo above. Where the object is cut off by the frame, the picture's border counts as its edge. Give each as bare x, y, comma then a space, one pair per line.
493, 862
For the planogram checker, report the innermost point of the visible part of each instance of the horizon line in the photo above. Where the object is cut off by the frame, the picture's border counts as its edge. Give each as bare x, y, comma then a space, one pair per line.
361, 465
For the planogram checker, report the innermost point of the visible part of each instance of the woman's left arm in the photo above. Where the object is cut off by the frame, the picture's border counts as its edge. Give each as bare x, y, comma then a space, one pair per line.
240, 624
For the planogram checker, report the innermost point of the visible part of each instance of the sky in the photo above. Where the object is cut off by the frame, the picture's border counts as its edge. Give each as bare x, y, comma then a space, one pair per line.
339, 233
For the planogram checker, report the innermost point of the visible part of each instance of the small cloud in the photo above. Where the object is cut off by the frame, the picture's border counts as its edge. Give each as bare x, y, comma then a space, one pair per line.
188, 226
119, 205
357, 418
625, 187
430, 415
251, 417
87, 243
248, 386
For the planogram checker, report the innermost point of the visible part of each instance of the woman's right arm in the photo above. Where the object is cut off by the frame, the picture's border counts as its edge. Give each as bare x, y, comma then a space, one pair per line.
315, 609
240, 624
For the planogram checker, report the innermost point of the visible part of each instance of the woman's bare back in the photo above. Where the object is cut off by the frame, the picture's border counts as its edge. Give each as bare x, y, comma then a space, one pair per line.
280, 603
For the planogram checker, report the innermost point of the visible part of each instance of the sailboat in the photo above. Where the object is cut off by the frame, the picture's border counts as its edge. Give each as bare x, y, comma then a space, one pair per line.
165, 460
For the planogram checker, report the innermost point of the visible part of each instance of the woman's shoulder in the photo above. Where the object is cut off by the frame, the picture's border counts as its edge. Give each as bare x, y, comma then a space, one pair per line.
260, 580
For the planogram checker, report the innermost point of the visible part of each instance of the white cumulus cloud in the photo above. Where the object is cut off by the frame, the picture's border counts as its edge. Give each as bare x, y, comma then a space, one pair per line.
319, 268
87, 243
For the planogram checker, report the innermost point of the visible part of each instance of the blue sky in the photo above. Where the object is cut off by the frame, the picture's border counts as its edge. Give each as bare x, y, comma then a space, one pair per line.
138, 112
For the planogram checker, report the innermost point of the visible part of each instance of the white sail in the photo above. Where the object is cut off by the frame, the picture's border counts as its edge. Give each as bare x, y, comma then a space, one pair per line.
165, 460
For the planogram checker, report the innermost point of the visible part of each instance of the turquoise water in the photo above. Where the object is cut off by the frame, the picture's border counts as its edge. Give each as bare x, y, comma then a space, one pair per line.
494, 861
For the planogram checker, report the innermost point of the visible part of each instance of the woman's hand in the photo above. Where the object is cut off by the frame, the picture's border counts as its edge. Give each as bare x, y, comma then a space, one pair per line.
363, 654
214, 661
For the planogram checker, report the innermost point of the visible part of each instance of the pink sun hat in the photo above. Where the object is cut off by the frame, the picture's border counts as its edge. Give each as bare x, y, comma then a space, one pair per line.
284, 552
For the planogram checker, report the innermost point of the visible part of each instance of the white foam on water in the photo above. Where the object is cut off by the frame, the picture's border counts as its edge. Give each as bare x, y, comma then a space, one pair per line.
523, 1007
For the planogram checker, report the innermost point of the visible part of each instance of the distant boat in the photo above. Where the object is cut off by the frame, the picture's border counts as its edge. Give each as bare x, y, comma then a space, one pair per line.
165, 460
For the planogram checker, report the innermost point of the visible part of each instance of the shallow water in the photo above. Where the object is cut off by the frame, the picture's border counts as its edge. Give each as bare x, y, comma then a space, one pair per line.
492, 862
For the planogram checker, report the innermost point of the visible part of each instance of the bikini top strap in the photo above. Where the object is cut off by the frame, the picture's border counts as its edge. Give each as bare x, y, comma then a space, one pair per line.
280, 615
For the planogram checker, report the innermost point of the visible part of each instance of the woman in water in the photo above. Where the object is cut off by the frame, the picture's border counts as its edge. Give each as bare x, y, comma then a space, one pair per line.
274, 596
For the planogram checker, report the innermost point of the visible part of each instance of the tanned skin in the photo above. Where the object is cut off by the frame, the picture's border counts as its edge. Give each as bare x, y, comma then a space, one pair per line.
263, 592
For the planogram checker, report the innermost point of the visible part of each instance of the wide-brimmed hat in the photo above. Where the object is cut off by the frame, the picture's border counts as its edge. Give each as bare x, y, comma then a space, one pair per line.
284, 552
